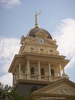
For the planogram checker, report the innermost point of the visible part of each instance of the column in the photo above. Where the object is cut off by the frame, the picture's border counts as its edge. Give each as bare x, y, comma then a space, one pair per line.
63, 70
60, 70
49, 67
17, 72
63, 74
28, 70
20, 71
14, 78
19, 68
38, 70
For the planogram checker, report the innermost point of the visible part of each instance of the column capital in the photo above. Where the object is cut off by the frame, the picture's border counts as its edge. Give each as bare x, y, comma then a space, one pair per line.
49, 62
38, 60
27, 59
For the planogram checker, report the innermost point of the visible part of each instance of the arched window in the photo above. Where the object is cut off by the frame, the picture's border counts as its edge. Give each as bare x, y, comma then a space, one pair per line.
32, 70
42, 71
52, 72
34, 89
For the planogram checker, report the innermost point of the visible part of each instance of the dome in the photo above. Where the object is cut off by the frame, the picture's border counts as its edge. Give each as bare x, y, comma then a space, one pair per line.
35, 30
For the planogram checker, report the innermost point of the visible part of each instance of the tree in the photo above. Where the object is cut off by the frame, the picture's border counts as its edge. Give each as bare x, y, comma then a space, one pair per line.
6, 93
16, 96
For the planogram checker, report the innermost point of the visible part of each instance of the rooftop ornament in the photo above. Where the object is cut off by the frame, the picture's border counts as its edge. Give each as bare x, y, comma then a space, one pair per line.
36, 19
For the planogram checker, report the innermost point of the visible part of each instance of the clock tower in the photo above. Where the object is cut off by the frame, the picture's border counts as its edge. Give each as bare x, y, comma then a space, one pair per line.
38, 62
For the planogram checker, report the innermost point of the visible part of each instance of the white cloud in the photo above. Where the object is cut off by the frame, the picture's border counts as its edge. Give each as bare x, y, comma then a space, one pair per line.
65, 36
6, 79
9, 3
8, 48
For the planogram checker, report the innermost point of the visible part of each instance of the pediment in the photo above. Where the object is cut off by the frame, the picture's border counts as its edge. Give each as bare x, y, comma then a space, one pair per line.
49, 42
41, 33
32, 41
62, 89
63, 86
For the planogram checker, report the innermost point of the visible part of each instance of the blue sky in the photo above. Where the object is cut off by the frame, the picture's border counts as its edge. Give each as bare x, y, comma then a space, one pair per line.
17, 17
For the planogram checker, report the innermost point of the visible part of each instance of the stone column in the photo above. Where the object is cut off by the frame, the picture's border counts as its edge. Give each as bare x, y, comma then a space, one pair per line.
63, 70
38, 70
13, 79
49, 67
19, 68
17, 72
59, 69
63, 74
28, 69
20, 72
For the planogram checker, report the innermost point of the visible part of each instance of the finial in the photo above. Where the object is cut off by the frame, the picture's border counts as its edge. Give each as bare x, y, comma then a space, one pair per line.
36, 19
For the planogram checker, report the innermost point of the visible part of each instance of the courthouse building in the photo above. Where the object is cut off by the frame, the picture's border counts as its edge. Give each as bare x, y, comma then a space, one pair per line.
37, 68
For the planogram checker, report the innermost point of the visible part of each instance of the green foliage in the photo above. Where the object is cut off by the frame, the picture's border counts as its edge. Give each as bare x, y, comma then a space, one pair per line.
7, 94
16, 96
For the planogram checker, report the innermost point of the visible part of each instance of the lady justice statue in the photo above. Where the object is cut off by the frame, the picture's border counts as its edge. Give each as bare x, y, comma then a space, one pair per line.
36, 19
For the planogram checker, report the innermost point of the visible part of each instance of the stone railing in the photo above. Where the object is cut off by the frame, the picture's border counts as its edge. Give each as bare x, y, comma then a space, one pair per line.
36, 77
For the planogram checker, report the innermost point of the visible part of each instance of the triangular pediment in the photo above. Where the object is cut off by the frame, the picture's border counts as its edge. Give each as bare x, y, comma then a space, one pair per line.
31, 41
49, 42
63, 86
41, 33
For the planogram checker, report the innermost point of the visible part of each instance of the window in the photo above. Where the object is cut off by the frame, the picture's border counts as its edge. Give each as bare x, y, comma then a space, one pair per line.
42, 71
52, 72
32, 48
34, 89
32, 70
51, 50
41, 49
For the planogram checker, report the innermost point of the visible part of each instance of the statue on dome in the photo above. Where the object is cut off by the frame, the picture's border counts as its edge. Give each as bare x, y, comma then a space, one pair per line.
36, 17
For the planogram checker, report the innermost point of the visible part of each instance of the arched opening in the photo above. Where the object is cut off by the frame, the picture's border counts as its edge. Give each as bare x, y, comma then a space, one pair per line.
52, 72
34, 89
32, 70
42, 71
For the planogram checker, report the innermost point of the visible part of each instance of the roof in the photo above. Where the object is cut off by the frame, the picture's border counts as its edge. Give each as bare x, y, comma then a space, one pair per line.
33, 31
61, 88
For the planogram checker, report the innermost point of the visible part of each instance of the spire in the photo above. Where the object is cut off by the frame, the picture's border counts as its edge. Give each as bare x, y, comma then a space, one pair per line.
36, 19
